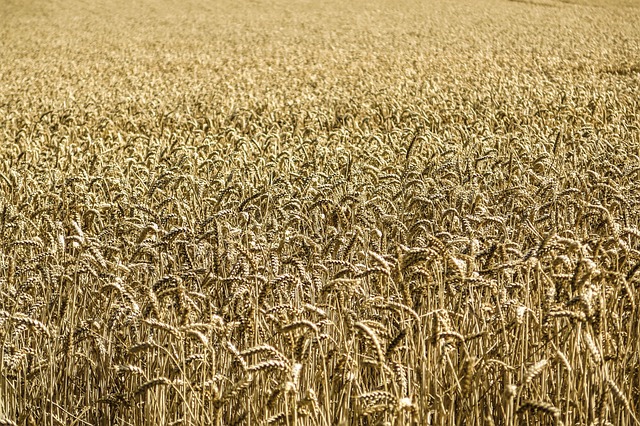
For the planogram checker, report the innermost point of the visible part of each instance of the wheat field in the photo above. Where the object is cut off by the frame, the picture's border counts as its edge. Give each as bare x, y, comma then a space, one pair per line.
320, 213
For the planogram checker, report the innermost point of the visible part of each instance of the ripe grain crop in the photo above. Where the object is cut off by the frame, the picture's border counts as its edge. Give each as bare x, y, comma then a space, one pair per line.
319, 213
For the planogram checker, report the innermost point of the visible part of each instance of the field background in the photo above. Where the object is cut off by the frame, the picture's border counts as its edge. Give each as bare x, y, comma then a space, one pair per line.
319, 213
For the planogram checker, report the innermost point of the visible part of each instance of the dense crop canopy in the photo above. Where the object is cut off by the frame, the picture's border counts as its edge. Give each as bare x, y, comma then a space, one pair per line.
320, 213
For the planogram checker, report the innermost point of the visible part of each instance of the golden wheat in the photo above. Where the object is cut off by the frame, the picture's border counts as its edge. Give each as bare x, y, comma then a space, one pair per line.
319, 213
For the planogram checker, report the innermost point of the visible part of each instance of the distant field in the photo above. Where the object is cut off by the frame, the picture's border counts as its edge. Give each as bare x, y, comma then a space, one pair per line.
319, 213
